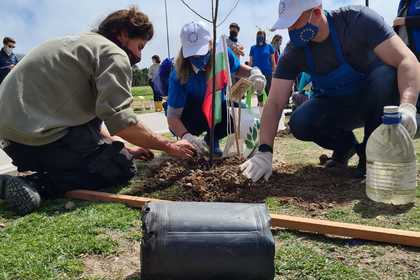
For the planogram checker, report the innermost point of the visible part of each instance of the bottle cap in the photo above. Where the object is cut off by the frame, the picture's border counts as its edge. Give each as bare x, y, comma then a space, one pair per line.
391, 110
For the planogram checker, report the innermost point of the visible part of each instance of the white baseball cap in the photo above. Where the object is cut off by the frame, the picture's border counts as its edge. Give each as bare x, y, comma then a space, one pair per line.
195, 38
291, 10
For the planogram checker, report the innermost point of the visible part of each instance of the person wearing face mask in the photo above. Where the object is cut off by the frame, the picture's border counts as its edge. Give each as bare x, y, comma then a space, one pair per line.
276, 43
8, 59
262, 56
357, 65
66, 115
187, 87
232, 41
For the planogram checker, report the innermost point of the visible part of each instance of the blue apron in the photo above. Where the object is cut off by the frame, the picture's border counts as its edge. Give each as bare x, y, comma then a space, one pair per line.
343, 81
414, 10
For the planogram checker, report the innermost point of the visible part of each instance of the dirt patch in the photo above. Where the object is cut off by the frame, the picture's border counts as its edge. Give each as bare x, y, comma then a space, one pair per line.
124, 264
310, 187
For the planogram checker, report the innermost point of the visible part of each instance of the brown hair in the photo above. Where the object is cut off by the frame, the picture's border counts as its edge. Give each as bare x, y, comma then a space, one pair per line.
8, 40
131, 20
156, 58
183, 68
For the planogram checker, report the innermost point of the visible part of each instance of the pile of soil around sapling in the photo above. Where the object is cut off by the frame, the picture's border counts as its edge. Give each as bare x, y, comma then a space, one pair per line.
310, 187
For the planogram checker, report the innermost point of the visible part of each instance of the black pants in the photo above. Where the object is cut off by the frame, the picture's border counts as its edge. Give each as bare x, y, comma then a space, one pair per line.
329, 121
81, 159
196, 123
156, 94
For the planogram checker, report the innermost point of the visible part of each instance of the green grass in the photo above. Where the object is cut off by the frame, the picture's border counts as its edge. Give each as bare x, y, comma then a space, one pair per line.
144, 91
49, 244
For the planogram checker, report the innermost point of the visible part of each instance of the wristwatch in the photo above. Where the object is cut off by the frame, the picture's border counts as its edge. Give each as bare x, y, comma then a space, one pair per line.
265, 148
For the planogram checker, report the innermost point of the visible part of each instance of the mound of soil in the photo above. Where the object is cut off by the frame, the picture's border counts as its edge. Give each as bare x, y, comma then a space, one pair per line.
311, 187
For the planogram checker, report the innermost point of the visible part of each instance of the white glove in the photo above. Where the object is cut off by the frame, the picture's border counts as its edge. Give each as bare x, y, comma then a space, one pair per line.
258, 166
258, 79
198, 143
408, 118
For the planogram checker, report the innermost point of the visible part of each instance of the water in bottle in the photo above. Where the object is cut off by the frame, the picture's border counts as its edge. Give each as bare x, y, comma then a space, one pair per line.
391, 162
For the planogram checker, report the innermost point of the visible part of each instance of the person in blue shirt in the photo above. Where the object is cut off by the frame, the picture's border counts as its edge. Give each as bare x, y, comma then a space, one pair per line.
187, 87
261, 55
407, 24
8, 59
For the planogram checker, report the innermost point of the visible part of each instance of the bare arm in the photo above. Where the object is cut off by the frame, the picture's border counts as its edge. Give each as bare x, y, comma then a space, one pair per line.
395, 53
278, 98
176, 126
273, 63
141, 136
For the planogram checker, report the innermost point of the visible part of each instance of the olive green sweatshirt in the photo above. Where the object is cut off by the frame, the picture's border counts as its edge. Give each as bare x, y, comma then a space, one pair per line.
66, 82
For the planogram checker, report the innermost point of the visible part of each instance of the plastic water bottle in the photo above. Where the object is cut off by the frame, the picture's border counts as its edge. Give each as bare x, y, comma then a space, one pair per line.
391, 162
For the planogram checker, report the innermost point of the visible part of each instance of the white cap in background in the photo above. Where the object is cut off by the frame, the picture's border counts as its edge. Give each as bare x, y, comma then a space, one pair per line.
195, 38
291, 10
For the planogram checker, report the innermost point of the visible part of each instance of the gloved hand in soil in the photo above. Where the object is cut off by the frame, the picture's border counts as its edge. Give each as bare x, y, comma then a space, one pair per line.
258, 80
260, 165
408, 118
198, 143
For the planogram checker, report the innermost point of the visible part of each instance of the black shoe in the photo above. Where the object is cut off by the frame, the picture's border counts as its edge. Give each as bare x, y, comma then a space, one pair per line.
361, 166
340, 160
20, 194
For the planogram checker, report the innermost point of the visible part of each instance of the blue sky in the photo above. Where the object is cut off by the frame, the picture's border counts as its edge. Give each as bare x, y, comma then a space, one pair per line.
32, 22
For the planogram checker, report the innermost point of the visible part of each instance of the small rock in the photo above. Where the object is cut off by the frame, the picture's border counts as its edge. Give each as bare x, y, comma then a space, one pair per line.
70, 205
2, 225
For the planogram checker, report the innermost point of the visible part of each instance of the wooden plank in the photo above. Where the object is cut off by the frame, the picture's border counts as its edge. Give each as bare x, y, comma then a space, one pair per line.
394, 236
134, 201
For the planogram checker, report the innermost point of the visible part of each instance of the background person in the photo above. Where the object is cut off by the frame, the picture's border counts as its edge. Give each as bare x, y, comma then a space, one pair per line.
276, 43
151, 74
233, 42
261, 55
8, 59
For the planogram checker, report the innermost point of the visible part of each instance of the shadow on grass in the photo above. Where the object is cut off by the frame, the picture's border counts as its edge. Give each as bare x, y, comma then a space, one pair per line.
370, 209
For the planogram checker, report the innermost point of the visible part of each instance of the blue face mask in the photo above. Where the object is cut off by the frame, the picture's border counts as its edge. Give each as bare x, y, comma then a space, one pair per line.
200, 62
302, 36
260, 40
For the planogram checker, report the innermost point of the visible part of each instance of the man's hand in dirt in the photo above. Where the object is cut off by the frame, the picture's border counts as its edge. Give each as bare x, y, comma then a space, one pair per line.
141, 153
182, 149
260, 165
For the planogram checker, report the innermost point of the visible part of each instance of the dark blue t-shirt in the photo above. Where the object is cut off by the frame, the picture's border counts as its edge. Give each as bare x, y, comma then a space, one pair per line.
5, 62
261, 57
195, 88
359, 29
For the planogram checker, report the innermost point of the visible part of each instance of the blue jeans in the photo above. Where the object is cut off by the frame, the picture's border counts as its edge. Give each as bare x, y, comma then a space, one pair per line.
329, 121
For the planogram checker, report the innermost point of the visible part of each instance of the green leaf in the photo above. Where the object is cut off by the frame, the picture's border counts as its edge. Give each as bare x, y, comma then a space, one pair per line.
249, 137
254, 133
249, 144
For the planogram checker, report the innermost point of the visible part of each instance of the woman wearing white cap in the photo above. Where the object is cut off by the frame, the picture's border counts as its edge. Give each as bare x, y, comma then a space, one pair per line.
187, 86
358, 65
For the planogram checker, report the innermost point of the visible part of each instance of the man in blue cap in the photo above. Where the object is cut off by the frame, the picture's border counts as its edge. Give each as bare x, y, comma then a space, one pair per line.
358, 65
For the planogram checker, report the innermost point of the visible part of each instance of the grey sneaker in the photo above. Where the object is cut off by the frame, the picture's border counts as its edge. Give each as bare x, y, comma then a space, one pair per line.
19, 194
